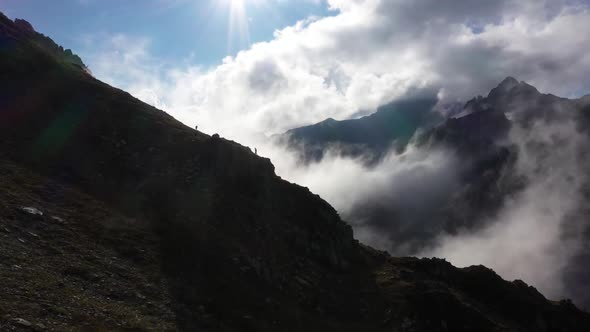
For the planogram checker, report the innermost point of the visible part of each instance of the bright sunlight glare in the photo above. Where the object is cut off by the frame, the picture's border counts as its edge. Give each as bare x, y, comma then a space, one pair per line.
238, 24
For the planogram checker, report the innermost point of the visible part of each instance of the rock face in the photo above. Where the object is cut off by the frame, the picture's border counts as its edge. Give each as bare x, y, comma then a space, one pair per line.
147, 224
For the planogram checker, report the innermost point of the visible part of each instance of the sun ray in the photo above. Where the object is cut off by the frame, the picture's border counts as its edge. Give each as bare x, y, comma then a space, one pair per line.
238, 25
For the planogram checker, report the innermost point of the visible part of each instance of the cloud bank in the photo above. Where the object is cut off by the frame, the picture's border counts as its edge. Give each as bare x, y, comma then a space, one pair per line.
537, 232
412, 185
369, 53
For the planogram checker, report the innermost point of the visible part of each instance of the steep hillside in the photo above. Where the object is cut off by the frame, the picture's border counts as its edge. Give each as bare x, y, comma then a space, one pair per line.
114, 216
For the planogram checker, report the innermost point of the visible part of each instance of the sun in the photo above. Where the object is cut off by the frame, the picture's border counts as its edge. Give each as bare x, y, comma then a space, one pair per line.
238, 20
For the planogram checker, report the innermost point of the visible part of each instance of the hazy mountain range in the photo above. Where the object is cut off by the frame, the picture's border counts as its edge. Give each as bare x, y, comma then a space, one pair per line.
513, 160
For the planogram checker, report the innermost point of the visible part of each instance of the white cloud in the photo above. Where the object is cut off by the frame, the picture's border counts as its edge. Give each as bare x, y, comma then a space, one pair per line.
529, 240
371, 52
414, 184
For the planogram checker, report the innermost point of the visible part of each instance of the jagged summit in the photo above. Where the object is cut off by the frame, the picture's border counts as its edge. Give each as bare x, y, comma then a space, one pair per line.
504, 87
511, 86
508, 83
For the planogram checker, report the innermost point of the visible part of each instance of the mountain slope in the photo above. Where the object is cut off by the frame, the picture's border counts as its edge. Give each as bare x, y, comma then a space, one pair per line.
150, 225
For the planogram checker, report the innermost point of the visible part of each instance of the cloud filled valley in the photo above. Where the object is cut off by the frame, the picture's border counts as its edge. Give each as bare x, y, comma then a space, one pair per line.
511, 200
539, 226
528, 213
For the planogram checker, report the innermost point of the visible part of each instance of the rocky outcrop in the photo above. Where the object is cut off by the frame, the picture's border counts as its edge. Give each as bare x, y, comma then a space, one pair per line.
19, 30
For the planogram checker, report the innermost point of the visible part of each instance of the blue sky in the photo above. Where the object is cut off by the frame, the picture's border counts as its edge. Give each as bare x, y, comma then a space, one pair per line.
177, 29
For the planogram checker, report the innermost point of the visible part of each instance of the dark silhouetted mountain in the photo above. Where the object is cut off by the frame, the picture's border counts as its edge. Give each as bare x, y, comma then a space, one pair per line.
115, 216
391, 126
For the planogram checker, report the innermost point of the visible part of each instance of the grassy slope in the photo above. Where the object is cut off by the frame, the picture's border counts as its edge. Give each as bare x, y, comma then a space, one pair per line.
81, 265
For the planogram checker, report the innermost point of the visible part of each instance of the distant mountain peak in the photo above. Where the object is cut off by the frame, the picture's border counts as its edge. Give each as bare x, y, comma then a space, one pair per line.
328, 121
509, 82
505, 86
511, 86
